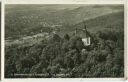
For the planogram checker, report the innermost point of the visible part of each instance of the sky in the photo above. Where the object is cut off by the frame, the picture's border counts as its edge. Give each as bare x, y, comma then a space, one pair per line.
62, 1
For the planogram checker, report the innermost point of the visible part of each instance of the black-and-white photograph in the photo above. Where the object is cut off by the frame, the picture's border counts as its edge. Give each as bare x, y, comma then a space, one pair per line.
64, 41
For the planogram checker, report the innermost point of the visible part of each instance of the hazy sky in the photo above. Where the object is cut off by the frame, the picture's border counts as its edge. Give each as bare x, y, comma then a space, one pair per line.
61, 1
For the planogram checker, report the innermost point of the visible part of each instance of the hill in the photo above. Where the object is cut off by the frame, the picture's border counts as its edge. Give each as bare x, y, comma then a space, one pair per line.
112, 21
24, 20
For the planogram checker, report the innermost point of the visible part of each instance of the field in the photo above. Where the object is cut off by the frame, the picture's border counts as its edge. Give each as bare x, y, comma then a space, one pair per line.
32, 48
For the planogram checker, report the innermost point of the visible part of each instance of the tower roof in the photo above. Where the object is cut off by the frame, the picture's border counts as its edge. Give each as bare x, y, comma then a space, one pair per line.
87, 34
84, 32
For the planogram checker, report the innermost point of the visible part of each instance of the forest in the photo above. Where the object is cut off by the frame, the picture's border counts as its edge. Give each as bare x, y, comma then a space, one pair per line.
68, 57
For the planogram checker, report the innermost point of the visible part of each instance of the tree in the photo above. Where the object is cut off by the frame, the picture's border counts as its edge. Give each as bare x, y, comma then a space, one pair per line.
76, 43
66, 37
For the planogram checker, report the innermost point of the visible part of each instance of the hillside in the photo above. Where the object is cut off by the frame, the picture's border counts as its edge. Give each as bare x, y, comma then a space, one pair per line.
114, 21
22, 20
110, 21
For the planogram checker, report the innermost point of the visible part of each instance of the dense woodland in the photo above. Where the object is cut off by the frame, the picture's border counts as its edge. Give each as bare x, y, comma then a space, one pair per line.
69, 57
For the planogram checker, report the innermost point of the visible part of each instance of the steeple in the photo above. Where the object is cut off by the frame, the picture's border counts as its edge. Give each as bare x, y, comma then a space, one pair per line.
85, 27
85, 31
86, 38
